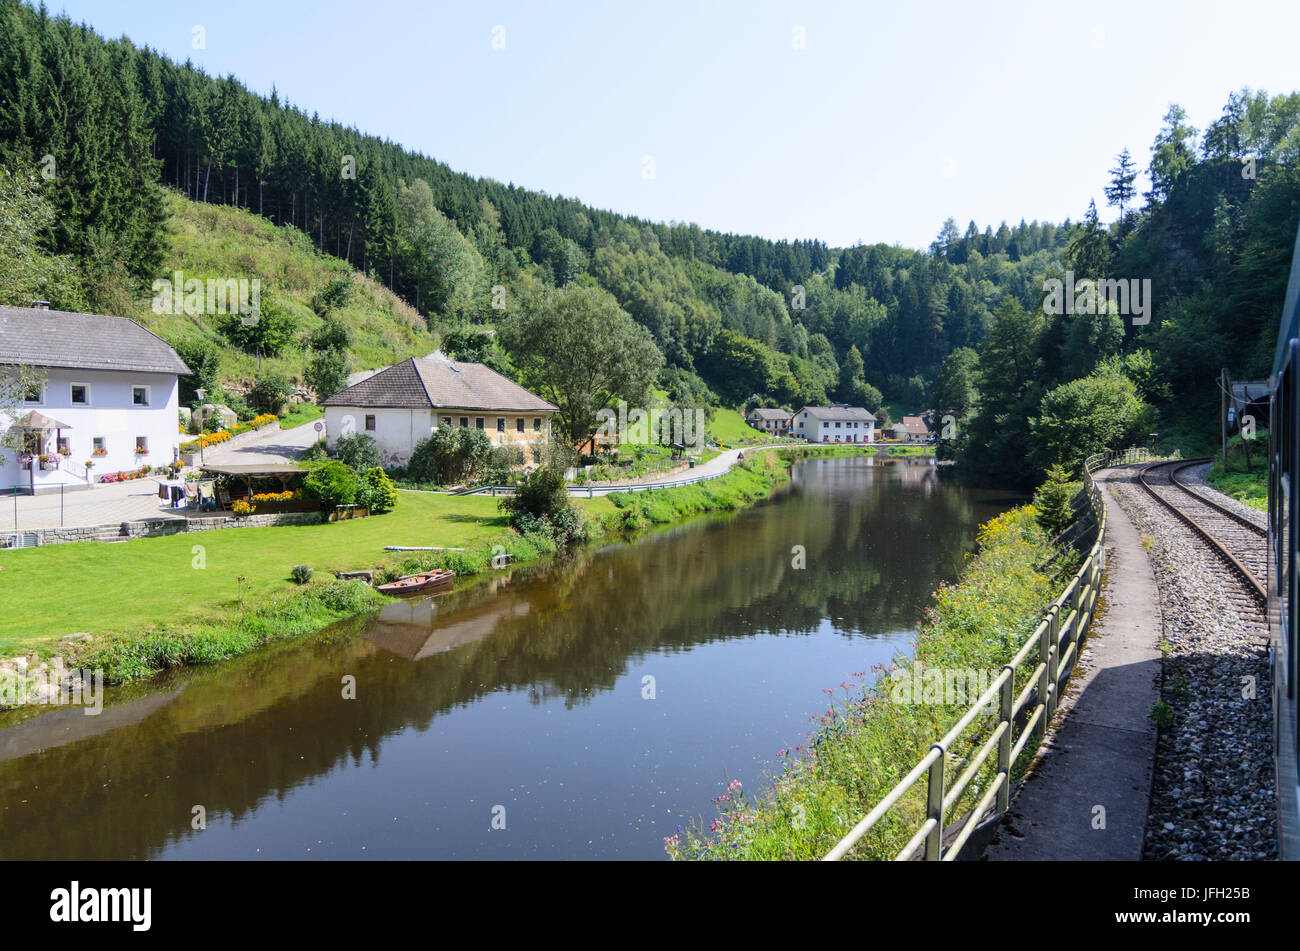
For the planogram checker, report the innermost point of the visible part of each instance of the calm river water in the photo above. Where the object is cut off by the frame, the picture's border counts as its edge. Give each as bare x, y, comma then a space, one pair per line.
593, 705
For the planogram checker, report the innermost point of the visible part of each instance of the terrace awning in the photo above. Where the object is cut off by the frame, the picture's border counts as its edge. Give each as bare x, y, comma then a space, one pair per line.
268, 469
39, 421
282, 471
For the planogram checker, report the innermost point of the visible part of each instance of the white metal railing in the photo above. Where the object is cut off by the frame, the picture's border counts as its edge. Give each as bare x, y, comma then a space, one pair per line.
1057, 640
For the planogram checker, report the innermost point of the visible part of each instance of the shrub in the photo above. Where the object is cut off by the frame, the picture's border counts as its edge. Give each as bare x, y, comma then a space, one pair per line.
543, 494
242, 507
301, 573
204, 361
327, 372
541, 505
450, 456
336, 294
274, 330
1052, 501
501, 463
270, 393
332, 483
357, 451
375, 491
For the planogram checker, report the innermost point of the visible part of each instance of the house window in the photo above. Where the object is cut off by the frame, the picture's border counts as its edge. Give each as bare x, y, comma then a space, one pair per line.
80, 394
464, 421
448, 421
537, 424
32, 394
501, 424
478, 421
519, 425
65, 445
370, 423
98, 446
139, 396
142, 445
826, 425
837, 425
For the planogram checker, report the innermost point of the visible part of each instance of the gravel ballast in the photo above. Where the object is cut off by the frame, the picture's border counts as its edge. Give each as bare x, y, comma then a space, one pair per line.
1213, 795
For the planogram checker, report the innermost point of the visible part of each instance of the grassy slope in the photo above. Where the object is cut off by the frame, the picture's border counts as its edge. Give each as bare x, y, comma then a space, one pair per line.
729, 428
212, 241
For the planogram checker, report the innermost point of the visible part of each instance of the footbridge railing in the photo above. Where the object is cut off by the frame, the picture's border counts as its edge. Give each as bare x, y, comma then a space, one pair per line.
1049, 656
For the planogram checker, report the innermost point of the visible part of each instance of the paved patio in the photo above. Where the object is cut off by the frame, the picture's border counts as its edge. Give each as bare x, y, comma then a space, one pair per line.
130, 501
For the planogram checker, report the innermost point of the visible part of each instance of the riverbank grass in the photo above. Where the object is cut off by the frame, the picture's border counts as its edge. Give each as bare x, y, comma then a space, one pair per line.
879, 724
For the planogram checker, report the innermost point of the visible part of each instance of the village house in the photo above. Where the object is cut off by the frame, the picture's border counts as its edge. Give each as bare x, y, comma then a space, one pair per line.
835, 423
914, 429
107, 394
403, 404
771, 420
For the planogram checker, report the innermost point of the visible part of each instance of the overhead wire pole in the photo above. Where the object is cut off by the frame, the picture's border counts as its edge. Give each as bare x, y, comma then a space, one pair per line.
1223, 415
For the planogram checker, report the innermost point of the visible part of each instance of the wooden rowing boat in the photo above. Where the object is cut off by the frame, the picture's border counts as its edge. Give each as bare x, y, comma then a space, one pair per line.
414, 584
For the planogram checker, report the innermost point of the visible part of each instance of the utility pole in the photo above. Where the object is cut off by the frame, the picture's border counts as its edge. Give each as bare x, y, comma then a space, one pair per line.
1224, 387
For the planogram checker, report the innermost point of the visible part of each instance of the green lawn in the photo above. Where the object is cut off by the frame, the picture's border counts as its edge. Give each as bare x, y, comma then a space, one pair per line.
193, 579
300, 413
97, 587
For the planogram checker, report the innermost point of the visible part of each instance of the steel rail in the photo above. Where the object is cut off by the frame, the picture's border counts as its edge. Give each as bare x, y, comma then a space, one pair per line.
1218, 507
1245, 574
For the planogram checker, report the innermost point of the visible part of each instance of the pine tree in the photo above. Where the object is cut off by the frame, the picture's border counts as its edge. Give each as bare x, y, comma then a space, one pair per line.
1121, 189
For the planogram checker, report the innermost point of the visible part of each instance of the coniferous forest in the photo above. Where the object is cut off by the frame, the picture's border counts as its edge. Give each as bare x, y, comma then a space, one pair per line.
94, 131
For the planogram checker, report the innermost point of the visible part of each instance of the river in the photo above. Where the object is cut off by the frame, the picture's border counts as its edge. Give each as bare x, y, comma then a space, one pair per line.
584, 709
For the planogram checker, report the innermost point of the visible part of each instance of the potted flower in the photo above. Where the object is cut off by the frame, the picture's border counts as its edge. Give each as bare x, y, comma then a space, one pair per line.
141, 450
100, 452
25, 459
241, 508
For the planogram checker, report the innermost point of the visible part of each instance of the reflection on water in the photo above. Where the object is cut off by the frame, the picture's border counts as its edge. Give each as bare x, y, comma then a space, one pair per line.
600, 700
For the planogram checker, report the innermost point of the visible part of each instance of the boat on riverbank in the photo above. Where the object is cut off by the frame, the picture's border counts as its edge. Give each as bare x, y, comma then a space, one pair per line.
417, 584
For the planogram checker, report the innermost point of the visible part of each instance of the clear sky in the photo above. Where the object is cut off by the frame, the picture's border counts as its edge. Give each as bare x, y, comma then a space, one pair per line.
890, 118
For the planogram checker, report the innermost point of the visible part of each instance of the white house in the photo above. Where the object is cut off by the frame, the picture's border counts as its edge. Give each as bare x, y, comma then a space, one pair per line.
771, 420
835, 423
403, 404
107, 394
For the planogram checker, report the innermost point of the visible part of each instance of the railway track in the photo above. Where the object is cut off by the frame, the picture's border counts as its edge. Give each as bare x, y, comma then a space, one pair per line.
1239, 542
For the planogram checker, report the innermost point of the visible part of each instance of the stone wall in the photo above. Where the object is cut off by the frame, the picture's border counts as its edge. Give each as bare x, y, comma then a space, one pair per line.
157, 527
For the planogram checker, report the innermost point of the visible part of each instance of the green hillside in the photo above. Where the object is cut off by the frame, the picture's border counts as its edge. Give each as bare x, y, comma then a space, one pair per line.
218, 241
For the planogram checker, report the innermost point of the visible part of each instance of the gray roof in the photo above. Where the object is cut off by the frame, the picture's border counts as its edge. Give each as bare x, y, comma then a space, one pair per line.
420, 383
852, 413
763, 412
58, 338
